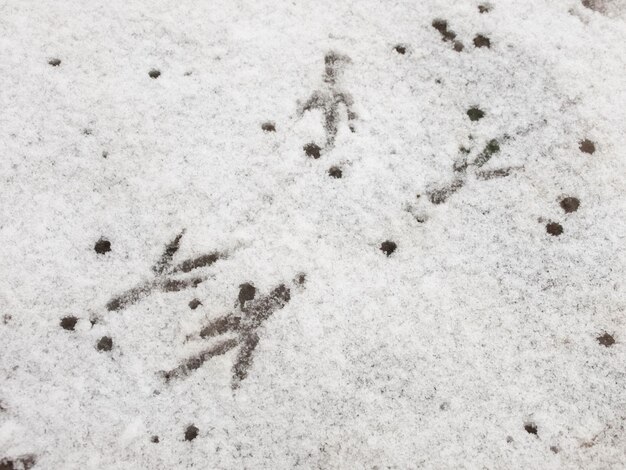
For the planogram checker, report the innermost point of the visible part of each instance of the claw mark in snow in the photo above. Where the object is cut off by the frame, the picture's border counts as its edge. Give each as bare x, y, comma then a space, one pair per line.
244, 324
164, 270
441, 194
329, 98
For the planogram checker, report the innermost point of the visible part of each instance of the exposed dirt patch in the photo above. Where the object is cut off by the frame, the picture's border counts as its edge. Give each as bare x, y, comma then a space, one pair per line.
102, 246
606, 340
555, 229
68, 323
388, 247
191, 432
531, 428
104, 344
482, 41
569, 204
587, 146
312, 150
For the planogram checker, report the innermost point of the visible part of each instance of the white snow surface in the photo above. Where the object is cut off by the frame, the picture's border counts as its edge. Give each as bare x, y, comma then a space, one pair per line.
479, 327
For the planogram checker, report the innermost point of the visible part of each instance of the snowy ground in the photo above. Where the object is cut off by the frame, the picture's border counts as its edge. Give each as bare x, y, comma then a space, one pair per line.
183, 284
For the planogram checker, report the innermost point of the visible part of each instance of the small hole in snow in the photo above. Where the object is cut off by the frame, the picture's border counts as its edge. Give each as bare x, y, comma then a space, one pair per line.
606, 340
554, 449
105, 154
154, 73
102, 246
68, 323
587, 146
400, 49
442, 27
268, 127
194, 304
191, 433
335, 172
484, 8
105, 344
247, 292
531, 428
570, 204
458, 46
555, 229
54, 62
312, 150
388, 247
154, 439
482, 41
475, 113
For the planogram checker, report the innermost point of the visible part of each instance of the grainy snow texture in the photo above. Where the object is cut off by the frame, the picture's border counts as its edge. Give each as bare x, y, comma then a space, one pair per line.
312, 234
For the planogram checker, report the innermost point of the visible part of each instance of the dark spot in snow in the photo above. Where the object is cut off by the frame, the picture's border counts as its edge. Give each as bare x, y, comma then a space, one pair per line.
301, 278
554, 449
24, 462
482, 41
475, 113
442, 27
312, 150
400, 49
87, 131
102, 246
555, 229
194, 304
509, 439
606, 340
447, 35
154, 439
335, 172
268, 127
587, 146
388, 247
68, 323
154, 73
54, 62
570, 204
595, 5
191, 432
444, 406
531, 428
105, 154
105, 344
484, 8
247, 292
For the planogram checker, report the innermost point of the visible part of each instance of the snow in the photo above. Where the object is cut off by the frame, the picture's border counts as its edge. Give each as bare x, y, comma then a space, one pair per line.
478, 325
